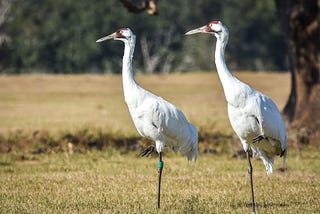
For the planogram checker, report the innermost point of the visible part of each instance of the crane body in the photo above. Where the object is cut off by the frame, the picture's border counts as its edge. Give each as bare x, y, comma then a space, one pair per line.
154, 117
253, 116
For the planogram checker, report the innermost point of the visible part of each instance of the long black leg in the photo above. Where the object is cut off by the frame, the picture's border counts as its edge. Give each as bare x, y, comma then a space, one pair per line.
160, 167
251, 181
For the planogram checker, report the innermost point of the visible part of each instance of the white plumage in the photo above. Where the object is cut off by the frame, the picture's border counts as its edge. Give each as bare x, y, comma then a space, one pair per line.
153, 117
257, 122
253, 116
163, 123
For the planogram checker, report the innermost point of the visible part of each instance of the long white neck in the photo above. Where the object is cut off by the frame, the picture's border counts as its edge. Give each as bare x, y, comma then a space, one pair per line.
129, 84
227, 79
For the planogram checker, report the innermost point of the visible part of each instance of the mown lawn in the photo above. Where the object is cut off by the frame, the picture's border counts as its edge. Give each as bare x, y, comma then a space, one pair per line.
108, 182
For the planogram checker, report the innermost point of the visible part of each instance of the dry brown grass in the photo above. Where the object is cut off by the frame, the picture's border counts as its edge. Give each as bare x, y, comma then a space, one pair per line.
112, 183
73, 102
108, 182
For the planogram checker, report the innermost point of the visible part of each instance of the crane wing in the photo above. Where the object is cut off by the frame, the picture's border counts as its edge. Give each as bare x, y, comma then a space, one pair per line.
270, 119
172, 122
178, 134
159, 120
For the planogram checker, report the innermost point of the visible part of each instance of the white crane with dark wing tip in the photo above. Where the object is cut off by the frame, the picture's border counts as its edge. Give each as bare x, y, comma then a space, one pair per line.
153, 117
253, 116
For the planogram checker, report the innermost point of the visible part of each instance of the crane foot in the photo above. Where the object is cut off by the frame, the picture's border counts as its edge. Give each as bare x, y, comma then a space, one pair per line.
258, 138
148, 151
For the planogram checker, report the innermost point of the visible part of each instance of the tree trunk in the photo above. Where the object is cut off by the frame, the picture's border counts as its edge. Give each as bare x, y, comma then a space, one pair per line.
301, 22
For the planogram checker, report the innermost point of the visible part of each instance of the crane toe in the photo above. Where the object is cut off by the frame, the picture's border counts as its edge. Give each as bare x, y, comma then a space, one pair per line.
258, 138
147, 151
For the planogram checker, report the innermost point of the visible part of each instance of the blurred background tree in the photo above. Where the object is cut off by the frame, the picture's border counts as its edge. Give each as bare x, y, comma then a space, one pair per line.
58, 36
300, 21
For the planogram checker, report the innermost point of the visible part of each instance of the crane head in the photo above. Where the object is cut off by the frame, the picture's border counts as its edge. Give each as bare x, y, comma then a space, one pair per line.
214, 27
122, 34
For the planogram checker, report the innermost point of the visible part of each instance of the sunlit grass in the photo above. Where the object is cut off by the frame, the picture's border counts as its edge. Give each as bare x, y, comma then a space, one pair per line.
60, 181
72, 102
108, 182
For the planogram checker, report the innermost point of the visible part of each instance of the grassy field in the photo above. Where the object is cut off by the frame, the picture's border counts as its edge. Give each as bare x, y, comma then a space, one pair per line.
72, 102
108, 182
111, 181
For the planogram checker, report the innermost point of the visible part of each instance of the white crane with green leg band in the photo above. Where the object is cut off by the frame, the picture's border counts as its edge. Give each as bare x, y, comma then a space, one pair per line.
154, 117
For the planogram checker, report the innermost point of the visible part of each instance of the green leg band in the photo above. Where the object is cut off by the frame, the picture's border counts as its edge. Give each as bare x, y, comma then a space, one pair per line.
160, 164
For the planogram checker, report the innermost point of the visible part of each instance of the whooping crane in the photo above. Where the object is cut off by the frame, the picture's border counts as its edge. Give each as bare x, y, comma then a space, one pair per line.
153, 117
253, 116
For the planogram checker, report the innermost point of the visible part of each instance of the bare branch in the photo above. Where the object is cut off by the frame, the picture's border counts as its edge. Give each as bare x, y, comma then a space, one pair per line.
156, 55
149, 5
150, 62
4, 14
4, 10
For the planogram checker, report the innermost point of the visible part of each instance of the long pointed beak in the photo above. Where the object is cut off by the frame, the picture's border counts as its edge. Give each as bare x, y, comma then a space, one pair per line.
111, 36
198, 30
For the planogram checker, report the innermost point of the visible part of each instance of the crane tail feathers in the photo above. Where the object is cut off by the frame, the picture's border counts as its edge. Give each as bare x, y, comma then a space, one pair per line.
269, 168
192, 155
190, 148
267, 160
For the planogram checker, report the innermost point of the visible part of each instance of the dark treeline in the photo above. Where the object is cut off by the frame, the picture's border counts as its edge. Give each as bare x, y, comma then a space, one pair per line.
58, 36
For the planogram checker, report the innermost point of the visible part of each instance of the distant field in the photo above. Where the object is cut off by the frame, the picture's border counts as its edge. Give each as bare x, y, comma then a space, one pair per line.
72, 102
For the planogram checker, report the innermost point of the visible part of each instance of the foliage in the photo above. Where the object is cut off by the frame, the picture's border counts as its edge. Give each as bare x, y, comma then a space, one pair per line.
59, 36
